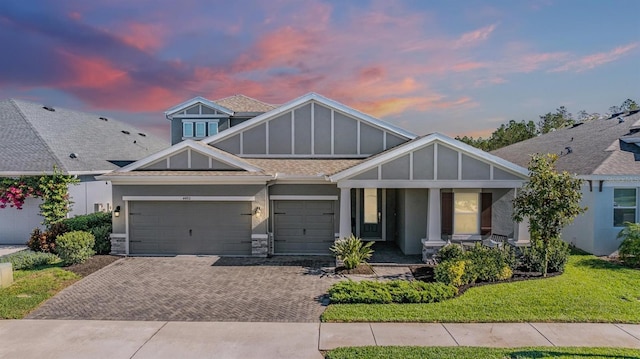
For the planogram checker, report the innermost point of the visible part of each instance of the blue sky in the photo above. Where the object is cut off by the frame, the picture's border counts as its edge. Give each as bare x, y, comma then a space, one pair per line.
457, 67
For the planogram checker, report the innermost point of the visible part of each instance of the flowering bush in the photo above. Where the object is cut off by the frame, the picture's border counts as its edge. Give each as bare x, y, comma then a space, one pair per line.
14, 192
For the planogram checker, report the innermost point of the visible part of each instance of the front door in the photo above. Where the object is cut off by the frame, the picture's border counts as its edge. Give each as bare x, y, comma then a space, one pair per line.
371, 214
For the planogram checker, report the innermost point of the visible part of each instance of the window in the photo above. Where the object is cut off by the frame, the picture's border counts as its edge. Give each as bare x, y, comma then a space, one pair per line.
213, 128
466, 213
624, 206
201, 129
370, 205
187, 129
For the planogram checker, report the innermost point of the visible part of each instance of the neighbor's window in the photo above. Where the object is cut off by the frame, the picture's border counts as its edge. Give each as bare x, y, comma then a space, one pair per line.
624, 206
213, 128
187, 129
201, 129
466, 213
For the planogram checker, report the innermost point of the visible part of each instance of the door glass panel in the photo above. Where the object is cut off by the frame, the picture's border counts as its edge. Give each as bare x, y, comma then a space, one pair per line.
466, 213
370, 205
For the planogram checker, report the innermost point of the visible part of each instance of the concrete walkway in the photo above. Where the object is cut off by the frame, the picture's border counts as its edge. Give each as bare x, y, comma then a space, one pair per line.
128, 339
6, 249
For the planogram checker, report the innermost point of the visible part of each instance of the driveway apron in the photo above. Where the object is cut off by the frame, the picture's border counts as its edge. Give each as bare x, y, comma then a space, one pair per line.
280, 289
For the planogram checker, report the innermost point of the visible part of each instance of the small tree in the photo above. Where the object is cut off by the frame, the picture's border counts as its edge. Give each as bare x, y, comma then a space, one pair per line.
550, 199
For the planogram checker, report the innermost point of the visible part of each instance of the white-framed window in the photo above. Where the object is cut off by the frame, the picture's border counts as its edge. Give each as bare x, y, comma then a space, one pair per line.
624, 206
187, 129
466, 213
201, 129
213, 128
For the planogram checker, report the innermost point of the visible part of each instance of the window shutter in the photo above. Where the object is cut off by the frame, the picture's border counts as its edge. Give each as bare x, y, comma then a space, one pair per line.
485, 217
446, 199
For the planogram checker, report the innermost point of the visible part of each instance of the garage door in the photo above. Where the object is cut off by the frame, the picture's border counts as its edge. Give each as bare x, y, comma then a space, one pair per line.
303, 227
190, 228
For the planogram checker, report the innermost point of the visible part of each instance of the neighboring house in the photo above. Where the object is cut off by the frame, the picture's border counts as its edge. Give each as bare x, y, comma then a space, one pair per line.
605, 154
35, 138
295, 178
199, 118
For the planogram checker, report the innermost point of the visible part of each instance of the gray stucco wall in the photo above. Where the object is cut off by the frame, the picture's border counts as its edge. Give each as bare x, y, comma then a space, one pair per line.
259, 224
502, 210
581, 232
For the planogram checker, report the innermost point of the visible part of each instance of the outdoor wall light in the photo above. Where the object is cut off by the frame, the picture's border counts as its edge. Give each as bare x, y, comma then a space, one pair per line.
116, 212
258, 211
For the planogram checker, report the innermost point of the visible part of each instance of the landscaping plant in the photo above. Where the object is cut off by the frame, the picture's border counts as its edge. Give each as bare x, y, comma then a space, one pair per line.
395, 291
352, 251
629, 250
99, 224
550, 200
29, 259
75, 247
558, 255
45, 241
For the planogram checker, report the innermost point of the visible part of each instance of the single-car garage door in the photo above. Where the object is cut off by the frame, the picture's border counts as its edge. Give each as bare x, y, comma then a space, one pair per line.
303, 227
191, 227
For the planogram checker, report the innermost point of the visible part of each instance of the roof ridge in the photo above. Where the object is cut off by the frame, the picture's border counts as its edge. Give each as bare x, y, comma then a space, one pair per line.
245, 96
60, 164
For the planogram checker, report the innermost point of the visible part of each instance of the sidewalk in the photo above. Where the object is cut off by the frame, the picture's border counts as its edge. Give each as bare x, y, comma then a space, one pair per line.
119, 339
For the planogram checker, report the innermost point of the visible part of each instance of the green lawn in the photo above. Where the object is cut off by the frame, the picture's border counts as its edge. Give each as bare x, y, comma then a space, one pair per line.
590, 290
30, 288
480, 353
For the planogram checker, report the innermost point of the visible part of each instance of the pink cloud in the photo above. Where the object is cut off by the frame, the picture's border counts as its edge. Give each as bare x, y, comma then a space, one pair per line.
592, 61
91, 72
468, 66
476, 36
144, 37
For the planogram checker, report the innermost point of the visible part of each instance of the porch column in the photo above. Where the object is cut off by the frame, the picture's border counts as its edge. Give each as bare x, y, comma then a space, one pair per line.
345, 212
434, 225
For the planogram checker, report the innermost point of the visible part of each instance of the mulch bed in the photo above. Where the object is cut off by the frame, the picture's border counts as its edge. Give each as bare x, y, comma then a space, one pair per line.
363, 269
92, 264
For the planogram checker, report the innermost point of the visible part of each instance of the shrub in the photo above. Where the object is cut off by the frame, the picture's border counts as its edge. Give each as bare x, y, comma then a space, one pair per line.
451, 272
396, 291
487, 264
88, 221
40, 241
630, 247
29, 259
449, 252
533, 256
102, 240
352, 251
75, 247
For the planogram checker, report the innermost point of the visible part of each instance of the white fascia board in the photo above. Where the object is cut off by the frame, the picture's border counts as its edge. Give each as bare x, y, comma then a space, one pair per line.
425, 141
179, 147
191, 198
40, 173
617, 178
302, 198
430, 184
185, 180
300, 101
194, 101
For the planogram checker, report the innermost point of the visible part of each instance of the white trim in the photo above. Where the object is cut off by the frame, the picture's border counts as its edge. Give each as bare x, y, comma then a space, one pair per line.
241, 143
302, 198
384, 140
313, 130
436, 138
40, 173
126, 226
379, 173
431, 184
411, 166
227, 158
358, 137
300, 101
266, 135
459, 165
333, 135
491, 172
189, 103
284, 155
259, 236
190, 198
435, 161
189, 158
185, 180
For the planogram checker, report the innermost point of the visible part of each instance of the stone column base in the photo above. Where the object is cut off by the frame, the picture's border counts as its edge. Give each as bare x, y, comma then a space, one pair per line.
259, 245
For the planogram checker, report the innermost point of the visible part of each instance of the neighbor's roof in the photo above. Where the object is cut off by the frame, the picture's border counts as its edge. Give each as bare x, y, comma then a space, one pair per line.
242, 103
34, 139
596, 147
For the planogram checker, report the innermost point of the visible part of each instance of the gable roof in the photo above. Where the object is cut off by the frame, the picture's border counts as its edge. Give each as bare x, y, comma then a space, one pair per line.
598, 147
194, 101
301, 101
33, 140
242, 103
421, 142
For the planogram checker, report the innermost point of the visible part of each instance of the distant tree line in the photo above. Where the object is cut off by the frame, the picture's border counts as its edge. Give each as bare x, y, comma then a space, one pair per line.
514, 131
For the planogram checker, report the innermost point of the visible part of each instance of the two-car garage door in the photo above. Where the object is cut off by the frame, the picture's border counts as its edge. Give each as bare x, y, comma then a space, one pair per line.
190, 227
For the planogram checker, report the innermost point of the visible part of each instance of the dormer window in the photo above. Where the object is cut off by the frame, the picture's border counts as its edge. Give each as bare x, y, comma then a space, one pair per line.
197, 129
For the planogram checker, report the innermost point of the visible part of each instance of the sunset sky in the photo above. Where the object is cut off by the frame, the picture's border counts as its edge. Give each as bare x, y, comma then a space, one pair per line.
457, 67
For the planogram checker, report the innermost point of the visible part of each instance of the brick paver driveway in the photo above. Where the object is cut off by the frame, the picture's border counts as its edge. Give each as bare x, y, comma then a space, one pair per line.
197, 289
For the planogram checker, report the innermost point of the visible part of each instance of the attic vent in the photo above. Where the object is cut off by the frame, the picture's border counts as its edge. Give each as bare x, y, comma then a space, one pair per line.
568, 149
577, 124
73, 155
620, 119
142, 134
49, 108
126, 132
104, 119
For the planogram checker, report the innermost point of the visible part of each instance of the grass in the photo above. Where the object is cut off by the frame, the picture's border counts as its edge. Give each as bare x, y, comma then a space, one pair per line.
32, 287
480, 353
590, 290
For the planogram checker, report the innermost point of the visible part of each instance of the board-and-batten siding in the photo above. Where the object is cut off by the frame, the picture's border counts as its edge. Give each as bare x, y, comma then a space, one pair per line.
189, 160
311, 130
435, 162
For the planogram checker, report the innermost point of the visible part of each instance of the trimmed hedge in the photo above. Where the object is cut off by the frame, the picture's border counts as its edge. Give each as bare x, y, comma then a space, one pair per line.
99, 224
395, 291
27, 259
478, 263
75, 247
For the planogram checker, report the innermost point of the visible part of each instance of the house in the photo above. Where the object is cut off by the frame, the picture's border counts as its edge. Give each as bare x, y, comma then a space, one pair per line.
605, 154
35, 138
297, 177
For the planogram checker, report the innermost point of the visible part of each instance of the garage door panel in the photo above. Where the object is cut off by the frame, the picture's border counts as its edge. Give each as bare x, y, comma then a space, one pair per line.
303, 227
190, 228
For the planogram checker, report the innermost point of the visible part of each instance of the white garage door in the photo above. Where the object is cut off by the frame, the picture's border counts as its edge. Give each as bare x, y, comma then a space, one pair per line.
222, 228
